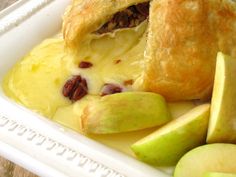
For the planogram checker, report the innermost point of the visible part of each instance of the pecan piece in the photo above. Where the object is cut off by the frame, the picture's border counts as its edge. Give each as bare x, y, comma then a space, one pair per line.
122, 19
75, 88
127, 18
143, 8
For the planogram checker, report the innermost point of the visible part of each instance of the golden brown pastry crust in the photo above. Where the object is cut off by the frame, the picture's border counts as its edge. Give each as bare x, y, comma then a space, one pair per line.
184, 38
86, 16
225, 25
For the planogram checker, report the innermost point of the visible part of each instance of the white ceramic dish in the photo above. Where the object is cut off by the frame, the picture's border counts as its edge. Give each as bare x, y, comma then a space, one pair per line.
39, 145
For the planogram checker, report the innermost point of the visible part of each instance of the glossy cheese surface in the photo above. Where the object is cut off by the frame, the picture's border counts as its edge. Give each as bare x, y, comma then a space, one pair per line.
37, 80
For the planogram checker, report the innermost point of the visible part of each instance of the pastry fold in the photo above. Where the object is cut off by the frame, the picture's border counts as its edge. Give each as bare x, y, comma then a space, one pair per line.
184, 37
87, 16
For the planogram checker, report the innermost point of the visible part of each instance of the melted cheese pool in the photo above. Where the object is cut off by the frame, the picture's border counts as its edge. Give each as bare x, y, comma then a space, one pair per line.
37, 80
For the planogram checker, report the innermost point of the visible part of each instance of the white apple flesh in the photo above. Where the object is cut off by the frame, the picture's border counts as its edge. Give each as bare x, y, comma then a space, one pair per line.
168, 144
216, 174
217, 157
222, 123
125, 112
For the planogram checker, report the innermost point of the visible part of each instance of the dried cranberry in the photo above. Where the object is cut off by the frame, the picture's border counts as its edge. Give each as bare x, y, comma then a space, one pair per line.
70, 85
75, 88
85, 64
109, 89
79, 93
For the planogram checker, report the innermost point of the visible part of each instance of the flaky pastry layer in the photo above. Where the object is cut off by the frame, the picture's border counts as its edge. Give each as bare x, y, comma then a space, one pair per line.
87, 16
184, 38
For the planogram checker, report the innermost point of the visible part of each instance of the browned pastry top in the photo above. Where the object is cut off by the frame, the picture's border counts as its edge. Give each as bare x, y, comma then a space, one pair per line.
87, 16
184, 37
183, 41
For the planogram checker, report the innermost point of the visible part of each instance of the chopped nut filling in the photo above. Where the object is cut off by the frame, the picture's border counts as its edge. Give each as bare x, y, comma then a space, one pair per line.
85, 64
75, 88
109, 89
128, 18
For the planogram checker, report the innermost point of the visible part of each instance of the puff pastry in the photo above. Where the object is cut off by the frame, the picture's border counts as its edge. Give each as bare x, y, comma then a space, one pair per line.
184, 38
87, 16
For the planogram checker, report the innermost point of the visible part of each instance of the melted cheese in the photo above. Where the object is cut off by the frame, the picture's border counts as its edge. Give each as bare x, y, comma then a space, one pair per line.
37, 80
103, 51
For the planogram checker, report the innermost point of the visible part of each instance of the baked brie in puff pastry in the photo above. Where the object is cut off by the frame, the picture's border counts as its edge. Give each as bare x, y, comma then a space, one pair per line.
99, 16
184, 37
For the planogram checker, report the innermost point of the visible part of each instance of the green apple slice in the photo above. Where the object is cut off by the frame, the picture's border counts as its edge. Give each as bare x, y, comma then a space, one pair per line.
69, 116
216, 174
222, 124
123, 141
213, 157
123, 112
168, 144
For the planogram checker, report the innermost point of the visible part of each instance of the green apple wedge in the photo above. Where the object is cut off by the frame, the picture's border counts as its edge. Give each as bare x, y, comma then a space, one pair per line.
216, 174
123, 141
69, 116
218, 157
222, 123
123, 112
168, 144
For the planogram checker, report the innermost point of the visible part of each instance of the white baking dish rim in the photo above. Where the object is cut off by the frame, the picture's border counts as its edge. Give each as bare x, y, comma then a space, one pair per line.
51, 152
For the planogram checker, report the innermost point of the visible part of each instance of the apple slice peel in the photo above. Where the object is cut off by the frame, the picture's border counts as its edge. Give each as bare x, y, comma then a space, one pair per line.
124, 112
222, 123
218, 157
168, 144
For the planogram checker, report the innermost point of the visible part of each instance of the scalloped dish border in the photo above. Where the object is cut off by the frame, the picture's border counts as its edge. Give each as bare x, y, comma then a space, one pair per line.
27, 134
58, 149
17, 21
